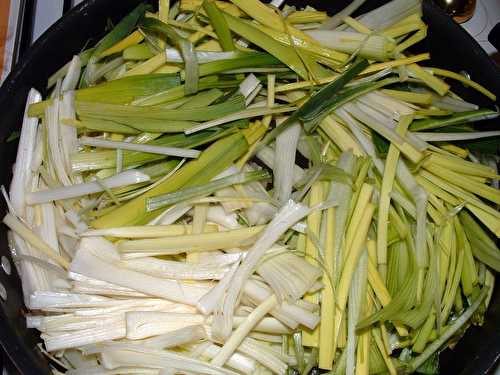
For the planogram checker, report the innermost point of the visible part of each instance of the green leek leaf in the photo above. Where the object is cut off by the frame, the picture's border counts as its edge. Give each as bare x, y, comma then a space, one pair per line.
322, 102
284, 53
185, 46
219, 24
454, 119
160, 201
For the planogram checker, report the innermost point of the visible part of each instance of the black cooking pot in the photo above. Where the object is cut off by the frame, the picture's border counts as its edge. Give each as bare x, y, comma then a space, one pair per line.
450, 46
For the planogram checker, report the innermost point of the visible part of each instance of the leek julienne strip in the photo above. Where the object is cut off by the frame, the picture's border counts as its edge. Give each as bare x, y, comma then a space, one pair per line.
358, 245
162, 150
247, 113
287, 55
238, 335
316, 195
38, 243
132, 39
454, 119
192, 242
459, 77
146, 231
125, 178
368, 46
334, 21
384, 67
286, 148
26, 148
457, 324
219, 24
440, 137
385, 201
157, 202
326, 355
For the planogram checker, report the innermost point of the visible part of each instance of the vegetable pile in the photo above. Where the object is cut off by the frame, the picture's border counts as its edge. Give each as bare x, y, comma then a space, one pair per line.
228, 187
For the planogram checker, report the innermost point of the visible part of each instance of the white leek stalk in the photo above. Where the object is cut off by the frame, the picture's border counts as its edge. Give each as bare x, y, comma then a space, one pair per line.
373, 46
175, 270
135, 355
68, 134
43, 300
263, 355
284, 161
249, 85
290, 314
175, 338
239, 334
286, 217
22, 174
149, 323
289, 275
174, 56
55, 151
208, 303
114, 329
237, 361
91, 260
267, 155
72, 77
122, 179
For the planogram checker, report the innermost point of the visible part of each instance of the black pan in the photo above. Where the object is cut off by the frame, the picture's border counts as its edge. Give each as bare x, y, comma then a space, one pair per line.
450, 46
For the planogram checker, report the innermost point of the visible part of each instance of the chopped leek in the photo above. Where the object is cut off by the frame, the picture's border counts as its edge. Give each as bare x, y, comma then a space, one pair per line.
237, 187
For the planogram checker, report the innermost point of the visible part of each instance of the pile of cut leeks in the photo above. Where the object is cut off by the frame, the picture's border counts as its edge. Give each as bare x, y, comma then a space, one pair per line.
230, 187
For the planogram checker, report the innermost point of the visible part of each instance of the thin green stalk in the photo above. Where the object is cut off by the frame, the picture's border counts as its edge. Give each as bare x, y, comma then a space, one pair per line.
282, 52
320, 104
299, 350
447, 334
219, 24
482, 246
160, 201
120, 31
404, 300
454, 119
